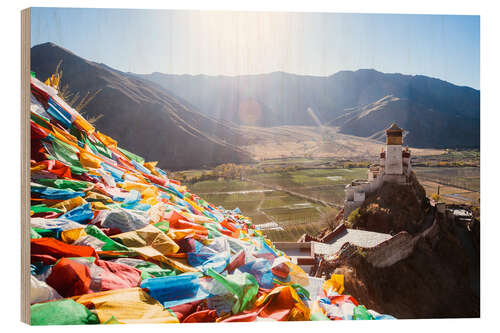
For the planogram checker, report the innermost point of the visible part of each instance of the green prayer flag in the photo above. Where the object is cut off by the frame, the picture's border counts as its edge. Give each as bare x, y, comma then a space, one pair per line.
361, 313
62, 312
66, 153
76, 185
42, 208
243, 286
162, 225
34, 234
131, 156
110, 245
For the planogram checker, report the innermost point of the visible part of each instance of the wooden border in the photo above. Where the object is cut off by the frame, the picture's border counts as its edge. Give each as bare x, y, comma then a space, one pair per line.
25, 166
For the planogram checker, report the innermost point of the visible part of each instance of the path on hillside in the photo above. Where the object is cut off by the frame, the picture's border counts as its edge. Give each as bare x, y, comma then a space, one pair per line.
264, 213
361, 238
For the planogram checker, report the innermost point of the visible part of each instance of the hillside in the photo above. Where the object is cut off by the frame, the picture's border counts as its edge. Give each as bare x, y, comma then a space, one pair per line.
424, 126
315, 142
433, 282
141, 115
444, 111
428, 269
385, 212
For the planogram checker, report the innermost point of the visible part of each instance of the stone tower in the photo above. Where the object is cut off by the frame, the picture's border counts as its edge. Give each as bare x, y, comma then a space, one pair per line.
394, 167
393, 150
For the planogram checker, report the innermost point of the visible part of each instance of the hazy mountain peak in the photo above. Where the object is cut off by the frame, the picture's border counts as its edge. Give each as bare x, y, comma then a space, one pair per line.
141, 115
438, 112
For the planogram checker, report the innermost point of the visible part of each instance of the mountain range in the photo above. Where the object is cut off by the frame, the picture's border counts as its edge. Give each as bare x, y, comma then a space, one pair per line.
435, 113
141, 115
187, 121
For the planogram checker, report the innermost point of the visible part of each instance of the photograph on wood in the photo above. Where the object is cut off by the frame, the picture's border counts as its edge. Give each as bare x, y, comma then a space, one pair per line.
188, 166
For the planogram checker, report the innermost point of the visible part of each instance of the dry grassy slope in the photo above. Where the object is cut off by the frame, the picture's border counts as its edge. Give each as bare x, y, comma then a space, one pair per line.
298, 141
363, 110
425, 124
142, 116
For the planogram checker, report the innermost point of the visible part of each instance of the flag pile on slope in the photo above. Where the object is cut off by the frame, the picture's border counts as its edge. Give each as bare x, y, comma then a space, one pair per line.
114, 240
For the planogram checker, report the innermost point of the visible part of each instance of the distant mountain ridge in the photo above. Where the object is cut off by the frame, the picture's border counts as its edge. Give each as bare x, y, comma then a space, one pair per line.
141, 115
280, 98
423, 125
194, 120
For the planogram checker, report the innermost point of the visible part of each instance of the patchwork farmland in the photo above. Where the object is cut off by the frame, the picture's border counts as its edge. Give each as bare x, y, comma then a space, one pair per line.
268, 197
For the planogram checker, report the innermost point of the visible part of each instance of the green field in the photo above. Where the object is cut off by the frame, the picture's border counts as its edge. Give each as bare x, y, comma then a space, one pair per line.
262, 204
465, 178
457, 155
216, 185
456, 185
324, 184
311, 177
297, 215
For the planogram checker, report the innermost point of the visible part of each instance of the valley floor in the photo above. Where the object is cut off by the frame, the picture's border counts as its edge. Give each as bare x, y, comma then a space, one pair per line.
285, 217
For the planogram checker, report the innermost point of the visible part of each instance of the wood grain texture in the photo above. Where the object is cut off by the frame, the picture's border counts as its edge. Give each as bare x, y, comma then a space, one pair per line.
25, 166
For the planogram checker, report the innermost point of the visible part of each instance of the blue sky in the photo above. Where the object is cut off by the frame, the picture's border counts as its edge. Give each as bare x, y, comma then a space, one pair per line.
237, 43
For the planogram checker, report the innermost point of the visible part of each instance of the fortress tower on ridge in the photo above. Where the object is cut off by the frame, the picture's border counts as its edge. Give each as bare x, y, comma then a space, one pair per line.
394, 167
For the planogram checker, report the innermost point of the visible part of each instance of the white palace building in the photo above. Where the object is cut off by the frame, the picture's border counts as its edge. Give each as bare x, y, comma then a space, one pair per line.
394, 166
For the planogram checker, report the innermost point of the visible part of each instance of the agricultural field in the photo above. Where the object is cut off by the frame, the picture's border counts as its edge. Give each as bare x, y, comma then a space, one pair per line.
458, 155
324, 184
456, 185
295, 215
223, 186
264, 198
450, 158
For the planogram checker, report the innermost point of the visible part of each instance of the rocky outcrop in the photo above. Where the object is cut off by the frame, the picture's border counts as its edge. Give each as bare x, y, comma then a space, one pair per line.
399, 247
394, 208
432, 274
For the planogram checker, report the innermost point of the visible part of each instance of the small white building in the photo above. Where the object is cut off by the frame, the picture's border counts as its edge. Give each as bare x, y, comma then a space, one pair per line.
394, 166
